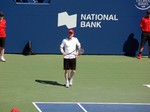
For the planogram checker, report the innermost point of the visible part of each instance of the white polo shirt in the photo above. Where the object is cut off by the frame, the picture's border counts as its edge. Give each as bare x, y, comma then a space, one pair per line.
69, 46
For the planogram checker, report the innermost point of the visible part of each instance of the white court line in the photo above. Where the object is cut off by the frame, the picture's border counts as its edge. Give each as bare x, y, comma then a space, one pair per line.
82, 107
94, 103
36, 107
146, 85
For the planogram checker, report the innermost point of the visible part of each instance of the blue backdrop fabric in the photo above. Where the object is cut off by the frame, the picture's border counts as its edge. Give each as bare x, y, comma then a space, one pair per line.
102, 26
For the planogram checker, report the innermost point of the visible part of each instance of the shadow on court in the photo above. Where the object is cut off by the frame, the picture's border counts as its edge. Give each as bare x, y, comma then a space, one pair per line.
55, 83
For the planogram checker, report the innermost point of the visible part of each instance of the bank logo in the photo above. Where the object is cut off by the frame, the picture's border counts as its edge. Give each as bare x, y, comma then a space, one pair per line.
69, 20
86, 20
142, 4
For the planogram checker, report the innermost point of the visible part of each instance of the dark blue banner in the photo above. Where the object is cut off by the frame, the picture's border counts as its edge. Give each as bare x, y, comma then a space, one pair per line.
102, 26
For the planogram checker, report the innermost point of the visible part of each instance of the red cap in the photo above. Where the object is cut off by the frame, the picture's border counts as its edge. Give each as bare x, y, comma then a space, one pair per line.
71, 31
15, 110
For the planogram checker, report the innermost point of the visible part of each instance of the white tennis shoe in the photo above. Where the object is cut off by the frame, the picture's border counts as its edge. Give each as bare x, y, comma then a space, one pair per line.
67, 84
71, 82
3, 59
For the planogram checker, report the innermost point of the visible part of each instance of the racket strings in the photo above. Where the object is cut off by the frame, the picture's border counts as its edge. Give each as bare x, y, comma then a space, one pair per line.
81, 51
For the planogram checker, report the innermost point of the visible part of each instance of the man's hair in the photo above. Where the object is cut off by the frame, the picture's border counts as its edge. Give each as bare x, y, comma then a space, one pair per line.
1, 14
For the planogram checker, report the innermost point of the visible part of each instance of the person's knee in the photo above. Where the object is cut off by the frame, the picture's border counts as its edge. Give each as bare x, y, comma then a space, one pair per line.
66, 71
73, 71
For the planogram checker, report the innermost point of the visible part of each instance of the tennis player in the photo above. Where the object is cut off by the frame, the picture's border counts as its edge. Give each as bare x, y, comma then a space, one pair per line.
145, 27
68, 49
2, 36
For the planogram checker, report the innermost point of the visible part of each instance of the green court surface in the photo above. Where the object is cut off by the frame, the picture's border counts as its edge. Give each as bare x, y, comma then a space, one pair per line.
99, 78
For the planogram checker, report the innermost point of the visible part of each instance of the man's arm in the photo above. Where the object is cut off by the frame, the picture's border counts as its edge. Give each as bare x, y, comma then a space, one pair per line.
78, 44
141, 23
62, 48
78, 47
62, 51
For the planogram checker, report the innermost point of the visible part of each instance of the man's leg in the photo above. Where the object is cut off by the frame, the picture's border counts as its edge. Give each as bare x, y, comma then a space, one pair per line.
143, 41
71, 77
73, 70
140, 52
2, 54
66, 74
72, 73
149, 52
149, 47
67, 77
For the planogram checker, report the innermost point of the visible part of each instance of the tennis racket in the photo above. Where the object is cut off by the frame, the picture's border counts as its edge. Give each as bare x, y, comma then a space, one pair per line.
80, 51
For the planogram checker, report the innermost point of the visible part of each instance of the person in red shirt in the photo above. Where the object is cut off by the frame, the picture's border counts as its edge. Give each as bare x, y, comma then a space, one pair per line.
2, 36
145, 27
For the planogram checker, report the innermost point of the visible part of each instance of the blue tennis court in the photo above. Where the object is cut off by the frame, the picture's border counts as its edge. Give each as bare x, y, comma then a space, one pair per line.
91, 107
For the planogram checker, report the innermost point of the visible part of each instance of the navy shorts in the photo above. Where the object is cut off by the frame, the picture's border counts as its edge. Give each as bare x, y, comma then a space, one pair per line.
70, 64
2, 42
